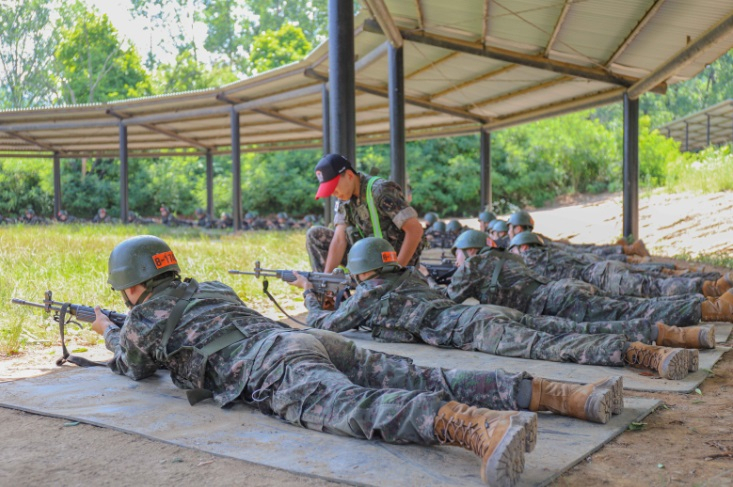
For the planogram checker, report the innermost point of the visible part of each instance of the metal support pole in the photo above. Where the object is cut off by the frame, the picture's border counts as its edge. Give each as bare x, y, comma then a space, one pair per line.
342, 106
485, 170
328, 203
397, 116
56, 184
123, 174
687, 137
210, 185
631, 167
236, 171
707, 133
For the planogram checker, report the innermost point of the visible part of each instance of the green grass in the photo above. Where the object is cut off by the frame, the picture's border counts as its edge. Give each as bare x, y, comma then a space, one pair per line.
71, 260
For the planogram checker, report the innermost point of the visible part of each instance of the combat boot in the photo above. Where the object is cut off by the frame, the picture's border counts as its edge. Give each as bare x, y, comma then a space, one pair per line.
590, 402
693, 359
714, 289
718, 309
688, 337
637, 248
616, 384
669, 363
499, 438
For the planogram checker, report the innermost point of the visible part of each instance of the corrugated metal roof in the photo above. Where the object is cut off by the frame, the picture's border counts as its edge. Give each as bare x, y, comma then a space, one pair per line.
468, 63
712, 126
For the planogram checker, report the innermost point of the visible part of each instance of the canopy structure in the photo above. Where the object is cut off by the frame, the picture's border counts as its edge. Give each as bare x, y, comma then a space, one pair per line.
712, 126
421, 68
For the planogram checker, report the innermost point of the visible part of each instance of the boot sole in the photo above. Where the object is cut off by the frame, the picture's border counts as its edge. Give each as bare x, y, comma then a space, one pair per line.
598, 406
675, 366
529, 421
707, 338
693, 360
507, 462
616, 385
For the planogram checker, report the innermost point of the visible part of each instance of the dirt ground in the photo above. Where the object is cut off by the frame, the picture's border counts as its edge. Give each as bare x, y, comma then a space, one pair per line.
688, 441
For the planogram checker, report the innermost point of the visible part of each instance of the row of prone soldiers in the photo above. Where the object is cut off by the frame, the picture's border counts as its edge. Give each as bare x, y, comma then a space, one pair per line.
250, 222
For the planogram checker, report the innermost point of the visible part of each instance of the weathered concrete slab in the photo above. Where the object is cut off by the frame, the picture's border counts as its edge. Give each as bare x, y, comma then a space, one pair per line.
155, 409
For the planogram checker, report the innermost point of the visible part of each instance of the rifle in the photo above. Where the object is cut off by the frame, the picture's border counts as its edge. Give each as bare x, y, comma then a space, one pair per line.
441, 273
329, 289
81, 312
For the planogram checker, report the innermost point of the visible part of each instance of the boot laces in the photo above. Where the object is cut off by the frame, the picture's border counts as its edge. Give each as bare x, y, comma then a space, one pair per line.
647, 358
456, 431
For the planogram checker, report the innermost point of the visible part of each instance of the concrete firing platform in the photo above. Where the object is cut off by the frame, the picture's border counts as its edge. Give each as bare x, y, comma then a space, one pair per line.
458, 359
156, 409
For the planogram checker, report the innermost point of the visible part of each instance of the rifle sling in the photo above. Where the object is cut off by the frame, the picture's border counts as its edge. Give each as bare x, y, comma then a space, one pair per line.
67, 357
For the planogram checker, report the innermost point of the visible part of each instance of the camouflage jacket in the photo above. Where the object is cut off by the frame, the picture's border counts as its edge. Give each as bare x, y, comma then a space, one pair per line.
227, 373
514, 288
396, 306
555, 264
393, 213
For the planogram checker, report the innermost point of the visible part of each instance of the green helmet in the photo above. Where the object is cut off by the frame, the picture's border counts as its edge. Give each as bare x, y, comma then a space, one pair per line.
527, 238
438, 227
499, 226
431, 218
139, 259
453, 226
523, 219
486, 217
372, 254
282, 215
470, 239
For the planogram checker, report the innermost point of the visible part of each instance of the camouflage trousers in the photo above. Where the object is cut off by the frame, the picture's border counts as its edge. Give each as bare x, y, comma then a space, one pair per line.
322, 381
616, 279
580, 301
317, 242
507, 332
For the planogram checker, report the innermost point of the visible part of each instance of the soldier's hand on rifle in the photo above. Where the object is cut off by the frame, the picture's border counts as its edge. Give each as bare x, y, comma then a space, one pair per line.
101, 322
301, 281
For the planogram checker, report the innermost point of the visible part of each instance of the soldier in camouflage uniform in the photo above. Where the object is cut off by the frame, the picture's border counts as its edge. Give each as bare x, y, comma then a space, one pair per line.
220, 348
398, 306
516, 286
102, 216
64, 217
522, 221
30, 218
612, 277
485, 218
398, 221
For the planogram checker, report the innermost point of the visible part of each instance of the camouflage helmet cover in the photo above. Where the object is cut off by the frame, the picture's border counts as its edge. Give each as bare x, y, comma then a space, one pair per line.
139, 259
371, 254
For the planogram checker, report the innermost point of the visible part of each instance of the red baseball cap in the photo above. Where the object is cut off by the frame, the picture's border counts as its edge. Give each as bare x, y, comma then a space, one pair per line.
328, 172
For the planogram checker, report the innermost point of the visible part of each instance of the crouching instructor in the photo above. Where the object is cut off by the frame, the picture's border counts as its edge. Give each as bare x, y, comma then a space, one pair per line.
367, 207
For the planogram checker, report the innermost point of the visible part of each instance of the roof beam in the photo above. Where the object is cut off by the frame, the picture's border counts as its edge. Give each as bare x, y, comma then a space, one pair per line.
683, 57
485, 23
32, 141
420, 15
381, 13
533, 61
35, 126
170, 133
635, 31
473, 81
584, 103
523, 91
286, 118
558, 26
372, 90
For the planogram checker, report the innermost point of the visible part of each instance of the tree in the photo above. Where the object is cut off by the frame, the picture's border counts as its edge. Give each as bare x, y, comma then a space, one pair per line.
272, 49
92, 65
188, 74
27, 42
